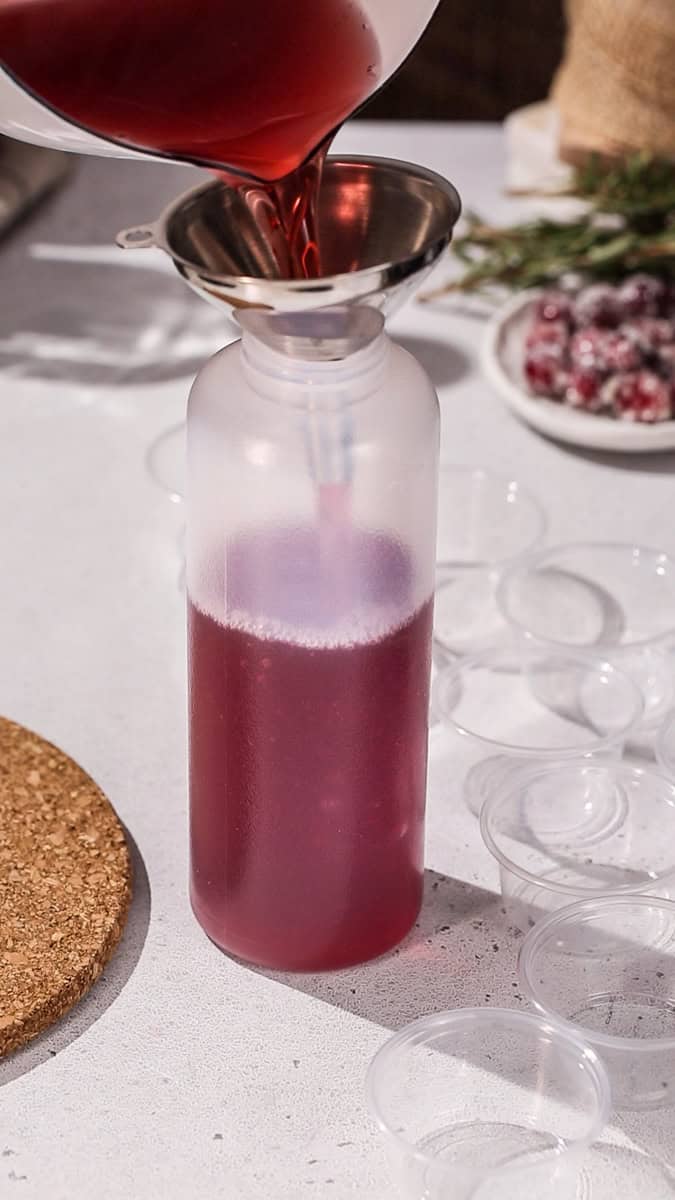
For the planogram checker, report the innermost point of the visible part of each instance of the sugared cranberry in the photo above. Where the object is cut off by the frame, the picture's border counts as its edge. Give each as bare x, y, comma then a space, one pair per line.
545, 369
621, 351
584, 389
638, 396
650, 332
605, 350
587, 347
597, 304
547, 331
642, 295
554, 306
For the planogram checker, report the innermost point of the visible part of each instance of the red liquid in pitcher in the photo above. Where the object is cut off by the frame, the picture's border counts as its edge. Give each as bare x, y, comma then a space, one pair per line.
254, 85
251, 88
308, 762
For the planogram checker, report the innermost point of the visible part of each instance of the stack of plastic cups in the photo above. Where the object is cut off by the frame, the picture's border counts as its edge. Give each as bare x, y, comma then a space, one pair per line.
572, 652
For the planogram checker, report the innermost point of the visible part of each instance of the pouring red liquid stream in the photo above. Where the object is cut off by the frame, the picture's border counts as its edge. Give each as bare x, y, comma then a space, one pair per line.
250, 88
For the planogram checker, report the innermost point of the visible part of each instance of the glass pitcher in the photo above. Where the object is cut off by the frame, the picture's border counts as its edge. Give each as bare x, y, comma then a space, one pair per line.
270, 80
312, 476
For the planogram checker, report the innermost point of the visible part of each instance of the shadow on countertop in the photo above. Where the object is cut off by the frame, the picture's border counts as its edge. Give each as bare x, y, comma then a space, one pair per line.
443, 361
441, 964
96, 323
463, 953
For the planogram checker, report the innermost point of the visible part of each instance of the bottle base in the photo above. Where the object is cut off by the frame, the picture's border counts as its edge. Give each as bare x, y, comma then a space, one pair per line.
336, 956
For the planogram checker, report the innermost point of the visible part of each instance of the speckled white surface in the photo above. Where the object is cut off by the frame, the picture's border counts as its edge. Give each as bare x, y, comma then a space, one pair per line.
186, 1074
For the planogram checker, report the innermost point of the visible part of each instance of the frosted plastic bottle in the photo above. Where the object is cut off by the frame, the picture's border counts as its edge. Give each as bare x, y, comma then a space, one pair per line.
312, 477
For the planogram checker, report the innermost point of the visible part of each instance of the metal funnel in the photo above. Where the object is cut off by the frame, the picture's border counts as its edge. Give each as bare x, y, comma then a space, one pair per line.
382, 226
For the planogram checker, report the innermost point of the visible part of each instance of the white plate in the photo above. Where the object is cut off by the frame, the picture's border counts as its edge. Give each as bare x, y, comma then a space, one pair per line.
502, 359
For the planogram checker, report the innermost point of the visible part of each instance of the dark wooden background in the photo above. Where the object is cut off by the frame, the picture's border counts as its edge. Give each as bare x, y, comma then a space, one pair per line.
478, 60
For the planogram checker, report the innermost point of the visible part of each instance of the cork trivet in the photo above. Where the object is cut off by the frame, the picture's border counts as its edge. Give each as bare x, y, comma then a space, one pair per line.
65, 884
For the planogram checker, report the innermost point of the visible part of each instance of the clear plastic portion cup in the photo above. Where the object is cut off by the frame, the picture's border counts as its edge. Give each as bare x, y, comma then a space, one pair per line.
605, 970
485, 521
487, 1104
665, 745
549, 707
580, 829
612, 598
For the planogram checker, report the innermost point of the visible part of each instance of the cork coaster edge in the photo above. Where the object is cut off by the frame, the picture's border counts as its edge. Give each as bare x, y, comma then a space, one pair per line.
49, 803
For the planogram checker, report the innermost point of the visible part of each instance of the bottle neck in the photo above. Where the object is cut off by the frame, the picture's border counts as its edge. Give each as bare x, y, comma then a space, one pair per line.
323, 361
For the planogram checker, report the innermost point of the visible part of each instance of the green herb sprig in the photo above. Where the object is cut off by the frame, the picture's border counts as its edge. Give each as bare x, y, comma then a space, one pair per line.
629, 226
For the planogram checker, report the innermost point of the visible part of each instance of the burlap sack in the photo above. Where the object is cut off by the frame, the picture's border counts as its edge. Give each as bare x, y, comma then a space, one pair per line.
615, 90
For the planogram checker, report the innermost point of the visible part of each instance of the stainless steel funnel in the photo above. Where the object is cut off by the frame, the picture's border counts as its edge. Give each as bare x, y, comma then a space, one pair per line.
382, 226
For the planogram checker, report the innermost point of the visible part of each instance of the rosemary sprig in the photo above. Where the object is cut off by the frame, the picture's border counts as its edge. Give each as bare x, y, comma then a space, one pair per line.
638, 187
629, 226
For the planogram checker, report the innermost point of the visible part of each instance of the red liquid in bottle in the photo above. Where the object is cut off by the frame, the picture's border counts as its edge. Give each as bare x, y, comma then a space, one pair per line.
254, 86
308, 762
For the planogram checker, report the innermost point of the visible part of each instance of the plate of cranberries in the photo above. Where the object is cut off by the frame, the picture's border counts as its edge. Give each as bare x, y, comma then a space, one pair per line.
593, 366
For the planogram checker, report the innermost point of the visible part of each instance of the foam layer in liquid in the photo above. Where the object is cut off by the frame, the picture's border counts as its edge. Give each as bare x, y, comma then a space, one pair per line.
310, 587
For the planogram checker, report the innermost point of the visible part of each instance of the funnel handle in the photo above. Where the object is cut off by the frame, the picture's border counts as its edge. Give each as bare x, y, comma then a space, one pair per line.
140, 237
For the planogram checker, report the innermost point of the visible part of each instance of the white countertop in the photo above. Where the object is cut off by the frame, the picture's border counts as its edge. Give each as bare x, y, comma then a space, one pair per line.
185, 1074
